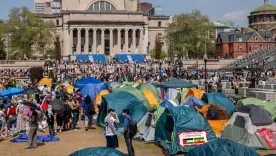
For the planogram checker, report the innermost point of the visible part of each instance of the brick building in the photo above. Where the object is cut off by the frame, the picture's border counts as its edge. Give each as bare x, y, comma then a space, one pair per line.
238, 43
264, 18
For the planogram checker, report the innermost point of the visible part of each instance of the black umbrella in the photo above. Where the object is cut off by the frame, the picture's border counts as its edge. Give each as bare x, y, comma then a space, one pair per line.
30, 104
58, 106
32, 90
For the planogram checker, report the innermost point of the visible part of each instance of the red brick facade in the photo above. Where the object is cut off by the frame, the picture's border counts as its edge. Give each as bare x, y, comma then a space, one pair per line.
236, 48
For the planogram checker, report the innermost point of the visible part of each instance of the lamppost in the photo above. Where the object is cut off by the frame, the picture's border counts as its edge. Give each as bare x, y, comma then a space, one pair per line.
205, 58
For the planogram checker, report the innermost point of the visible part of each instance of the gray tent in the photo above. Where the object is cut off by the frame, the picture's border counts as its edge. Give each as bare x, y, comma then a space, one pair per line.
246, 125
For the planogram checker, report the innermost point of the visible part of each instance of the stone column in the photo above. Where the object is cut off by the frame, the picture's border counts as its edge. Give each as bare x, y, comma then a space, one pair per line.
86, 48
71, 44
119, 40
126, 41
133, 40
66, 43
94, 41
102, 42
79, 42
141, 41
111, 41
146, 39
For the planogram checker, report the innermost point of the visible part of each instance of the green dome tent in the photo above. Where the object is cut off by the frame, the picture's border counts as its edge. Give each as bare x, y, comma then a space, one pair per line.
119, 101
148, 86
134, 92
97, 151
269, 106
222, 147
180, 128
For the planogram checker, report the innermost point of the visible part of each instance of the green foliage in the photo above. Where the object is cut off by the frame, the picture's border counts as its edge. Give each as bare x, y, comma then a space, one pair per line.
29, 33
188, 33
52, 75
36, 74
158, 52
2, 50
162, 55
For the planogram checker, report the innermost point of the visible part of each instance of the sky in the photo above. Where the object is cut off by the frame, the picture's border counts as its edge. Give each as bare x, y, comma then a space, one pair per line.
234, 10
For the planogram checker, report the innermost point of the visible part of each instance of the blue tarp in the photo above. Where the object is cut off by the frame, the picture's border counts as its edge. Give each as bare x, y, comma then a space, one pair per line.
177, 83
84, 81
24, 138
139, 58
167, 103
93, 89
222, 101
99, 58
122, 58
12, 91
193, 102
98, 151
222, 147
1, 90
82, 57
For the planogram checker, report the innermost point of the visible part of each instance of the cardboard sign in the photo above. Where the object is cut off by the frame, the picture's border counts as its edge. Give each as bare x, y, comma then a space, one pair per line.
193, 138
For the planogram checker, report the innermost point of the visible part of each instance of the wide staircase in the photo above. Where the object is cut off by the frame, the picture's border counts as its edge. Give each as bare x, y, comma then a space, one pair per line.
262, 58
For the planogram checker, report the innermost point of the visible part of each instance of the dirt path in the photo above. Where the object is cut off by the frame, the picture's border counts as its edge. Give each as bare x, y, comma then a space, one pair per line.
75, 140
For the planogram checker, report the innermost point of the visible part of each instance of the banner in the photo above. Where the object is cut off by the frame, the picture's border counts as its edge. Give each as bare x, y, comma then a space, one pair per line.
268, 136
193, 138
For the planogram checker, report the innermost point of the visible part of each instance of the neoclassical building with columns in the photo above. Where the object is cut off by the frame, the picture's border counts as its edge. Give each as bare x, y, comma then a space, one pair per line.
107, 27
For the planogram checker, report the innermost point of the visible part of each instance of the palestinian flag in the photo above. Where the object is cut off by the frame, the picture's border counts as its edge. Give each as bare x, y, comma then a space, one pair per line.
191, 141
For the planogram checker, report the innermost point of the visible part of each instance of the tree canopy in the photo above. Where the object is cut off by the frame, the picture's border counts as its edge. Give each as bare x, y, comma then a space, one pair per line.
28, 32
188, 33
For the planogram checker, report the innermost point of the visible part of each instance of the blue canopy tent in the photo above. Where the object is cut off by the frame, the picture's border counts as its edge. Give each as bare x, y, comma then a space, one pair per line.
193, 102
12, 91
122, 58
222, 101
99, 58
177, 83
82, 82
139, 58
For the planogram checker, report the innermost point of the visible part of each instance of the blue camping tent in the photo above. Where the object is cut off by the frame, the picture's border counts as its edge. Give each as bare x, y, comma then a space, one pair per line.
167, 103
193, 102
12, 91
222, 101
82, 82
93, 89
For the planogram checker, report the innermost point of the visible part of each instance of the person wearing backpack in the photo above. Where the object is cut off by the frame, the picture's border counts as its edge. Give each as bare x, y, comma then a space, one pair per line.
88, 110
130, 129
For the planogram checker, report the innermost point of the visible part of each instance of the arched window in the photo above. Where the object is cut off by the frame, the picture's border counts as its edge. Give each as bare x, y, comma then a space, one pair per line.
102, 5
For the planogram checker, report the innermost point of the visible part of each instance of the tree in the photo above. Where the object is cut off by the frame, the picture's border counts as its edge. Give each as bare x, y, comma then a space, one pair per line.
2, 50
28, 33
189, 33
36, 74
158, 52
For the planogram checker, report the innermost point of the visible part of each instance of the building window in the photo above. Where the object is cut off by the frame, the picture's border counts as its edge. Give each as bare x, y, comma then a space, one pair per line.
57, 22
255, 38
240, 47
268, 46
250, 47
159, 23
261, 45
240, 39
255, 46
102, 5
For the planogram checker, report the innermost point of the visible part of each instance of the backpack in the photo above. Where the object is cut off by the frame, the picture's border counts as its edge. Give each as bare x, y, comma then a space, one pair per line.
132, 127
91, 109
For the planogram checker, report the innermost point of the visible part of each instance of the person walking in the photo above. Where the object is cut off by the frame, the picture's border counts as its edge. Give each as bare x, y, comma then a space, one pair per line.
127, 132
219, 86
11, 118
75, 112
2, 120
111, 120
67, 114
20, 122
50, 120
32, 136
88, 110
